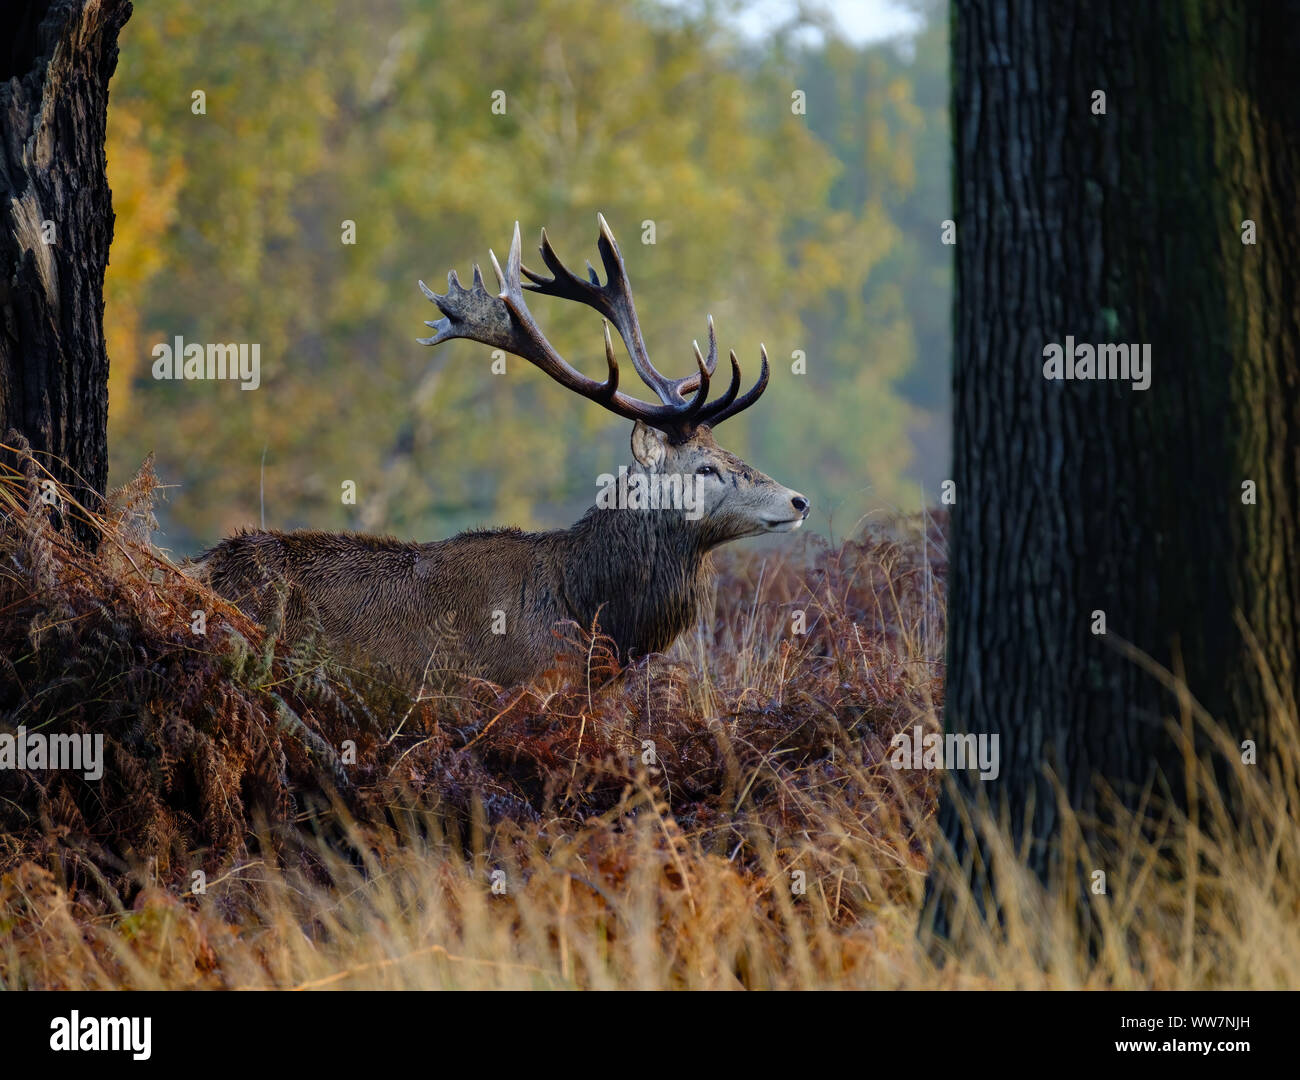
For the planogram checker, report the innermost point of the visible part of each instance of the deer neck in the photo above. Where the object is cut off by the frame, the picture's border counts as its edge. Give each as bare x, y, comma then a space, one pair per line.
638, 574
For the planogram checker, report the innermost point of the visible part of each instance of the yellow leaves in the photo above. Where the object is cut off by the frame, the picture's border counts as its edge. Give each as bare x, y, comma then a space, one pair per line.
145, 184
229, 228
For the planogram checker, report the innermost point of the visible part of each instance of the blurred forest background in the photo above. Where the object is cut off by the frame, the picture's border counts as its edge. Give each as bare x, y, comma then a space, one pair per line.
816, 232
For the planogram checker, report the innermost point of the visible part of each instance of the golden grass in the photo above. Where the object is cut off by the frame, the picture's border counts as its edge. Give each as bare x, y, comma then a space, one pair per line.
517, 839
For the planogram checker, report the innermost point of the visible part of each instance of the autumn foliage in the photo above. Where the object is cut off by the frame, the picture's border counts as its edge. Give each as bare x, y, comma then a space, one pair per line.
755, 746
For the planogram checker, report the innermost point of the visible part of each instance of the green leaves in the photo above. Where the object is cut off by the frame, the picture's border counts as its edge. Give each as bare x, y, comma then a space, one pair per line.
230, 228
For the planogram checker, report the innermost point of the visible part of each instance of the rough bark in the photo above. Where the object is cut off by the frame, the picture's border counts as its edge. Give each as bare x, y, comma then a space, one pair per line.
56, 224
1081, 496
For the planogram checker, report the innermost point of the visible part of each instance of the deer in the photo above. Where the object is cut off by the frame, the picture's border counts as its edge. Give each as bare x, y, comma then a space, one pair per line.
491, 603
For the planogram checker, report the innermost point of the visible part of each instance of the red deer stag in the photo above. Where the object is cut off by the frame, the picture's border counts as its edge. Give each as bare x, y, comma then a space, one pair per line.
487, 602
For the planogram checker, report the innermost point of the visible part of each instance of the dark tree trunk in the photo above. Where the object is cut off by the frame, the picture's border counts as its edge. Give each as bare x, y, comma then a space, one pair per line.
56, 223
1078, 496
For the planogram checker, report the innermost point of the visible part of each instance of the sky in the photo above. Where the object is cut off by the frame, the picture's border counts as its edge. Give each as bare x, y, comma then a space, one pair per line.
862, 21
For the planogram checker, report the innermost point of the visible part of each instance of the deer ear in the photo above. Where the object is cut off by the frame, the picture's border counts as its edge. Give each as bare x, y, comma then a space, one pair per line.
648, 445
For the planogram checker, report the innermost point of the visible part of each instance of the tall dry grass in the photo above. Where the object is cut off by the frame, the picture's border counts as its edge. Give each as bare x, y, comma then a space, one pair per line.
523, 837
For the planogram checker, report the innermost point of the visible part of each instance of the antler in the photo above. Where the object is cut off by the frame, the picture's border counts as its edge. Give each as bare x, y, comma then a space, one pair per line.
504, 321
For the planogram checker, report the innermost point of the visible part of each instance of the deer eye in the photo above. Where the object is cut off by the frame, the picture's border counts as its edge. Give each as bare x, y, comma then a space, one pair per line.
706, 470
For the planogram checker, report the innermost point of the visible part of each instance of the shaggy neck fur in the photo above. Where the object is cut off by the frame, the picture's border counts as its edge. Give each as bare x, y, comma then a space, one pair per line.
639, 573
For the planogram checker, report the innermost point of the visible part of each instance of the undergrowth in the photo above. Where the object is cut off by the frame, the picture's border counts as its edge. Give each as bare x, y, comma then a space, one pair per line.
749, 755
721, 816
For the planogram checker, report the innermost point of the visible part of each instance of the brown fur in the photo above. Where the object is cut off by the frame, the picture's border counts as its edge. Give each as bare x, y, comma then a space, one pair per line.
429, 609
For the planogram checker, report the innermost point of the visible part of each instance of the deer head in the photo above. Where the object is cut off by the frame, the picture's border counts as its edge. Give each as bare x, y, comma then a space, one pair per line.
671, 438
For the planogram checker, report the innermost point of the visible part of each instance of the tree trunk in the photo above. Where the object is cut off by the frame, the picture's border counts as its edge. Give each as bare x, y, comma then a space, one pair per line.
56, 223
1075, 497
